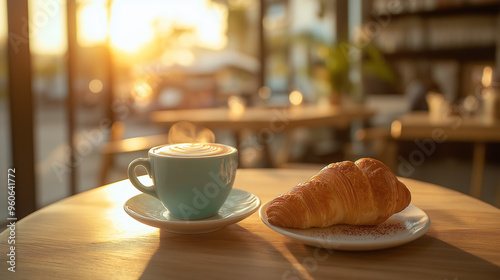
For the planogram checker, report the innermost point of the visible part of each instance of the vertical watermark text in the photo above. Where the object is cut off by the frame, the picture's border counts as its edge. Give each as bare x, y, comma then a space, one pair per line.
11, 218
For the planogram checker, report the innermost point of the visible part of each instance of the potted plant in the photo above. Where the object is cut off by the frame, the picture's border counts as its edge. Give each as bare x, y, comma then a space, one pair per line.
339, 59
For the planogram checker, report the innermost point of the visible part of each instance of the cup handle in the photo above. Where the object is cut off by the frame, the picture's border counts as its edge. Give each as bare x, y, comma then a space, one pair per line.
132, 176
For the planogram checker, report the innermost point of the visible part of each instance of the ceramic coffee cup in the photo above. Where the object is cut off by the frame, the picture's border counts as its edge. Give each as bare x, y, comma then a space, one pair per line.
192, 180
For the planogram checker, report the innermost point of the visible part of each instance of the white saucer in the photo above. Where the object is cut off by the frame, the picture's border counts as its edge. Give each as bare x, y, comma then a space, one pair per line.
399, 229
149, 210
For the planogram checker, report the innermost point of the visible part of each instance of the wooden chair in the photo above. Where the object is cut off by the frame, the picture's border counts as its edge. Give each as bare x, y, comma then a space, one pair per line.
117, 145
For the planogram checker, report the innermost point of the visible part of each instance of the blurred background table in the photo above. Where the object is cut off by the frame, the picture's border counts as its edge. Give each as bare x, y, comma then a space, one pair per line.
89, 235
418, 126
274, 118
267, 120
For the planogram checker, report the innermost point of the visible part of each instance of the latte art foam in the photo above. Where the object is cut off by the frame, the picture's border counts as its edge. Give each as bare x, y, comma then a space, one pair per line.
193, 150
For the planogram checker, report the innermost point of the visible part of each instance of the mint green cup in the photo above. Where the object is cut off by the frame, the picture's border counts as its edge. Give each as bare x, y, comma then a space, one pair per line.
191, 180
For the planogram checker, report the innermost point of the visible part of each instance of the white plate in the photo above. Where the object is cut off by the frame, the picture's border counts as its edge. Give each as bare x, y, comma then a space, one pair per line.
399, 229
149, 210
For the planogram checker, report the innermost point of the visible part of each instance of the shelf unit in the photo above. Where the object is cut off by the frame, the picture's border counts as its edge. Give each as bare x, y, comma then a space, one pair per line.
479, 53
465, 50
452, 11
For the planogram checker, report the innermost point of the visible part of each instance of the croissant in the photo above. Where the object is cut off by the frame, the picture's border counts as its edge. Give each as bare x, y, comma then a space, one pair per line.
364, 192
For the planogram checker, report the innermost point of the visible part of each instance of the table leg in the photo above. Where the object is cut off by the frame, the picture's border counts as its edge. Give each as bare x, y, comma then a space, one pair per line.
237, 139
268, 155
478, 169
284, 152
266, 149
390, 154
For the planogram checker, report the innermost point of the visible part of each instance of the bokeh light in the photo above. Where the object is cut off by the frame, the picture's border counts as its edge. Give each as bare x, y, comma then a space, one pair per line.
142, 93
487, 76
264, 92
96, 86
296, 97
236, 106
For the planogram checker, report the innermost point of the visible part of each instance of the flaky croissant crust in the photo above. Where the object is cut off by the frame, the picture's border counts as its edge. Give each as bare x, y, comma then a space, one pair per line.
364, 192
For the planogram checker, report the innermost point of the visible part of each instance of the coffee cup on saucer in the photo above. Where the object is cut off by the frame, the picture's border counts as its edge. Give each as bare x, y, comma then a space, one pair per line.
192, 180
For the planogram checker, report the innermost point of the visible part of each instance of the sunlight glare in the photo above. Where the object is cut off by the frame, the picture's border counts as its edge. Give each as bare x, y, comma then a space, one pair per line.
181, 57
211, 28
187, 40
130, 25
131, 144
3, 22
185, 57
133, 23
126, 227
47, 27
92, 22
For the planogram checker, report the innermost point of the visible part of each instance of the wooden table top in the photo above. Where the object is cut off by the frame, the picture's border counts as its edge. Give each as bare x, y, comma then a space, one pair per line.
89, 236
418, 125
264, 117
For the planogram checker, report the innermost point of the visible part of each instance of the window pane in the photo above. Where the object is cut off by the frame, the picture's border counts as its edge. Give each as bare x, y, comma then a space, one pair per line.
5, 158
47, 23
